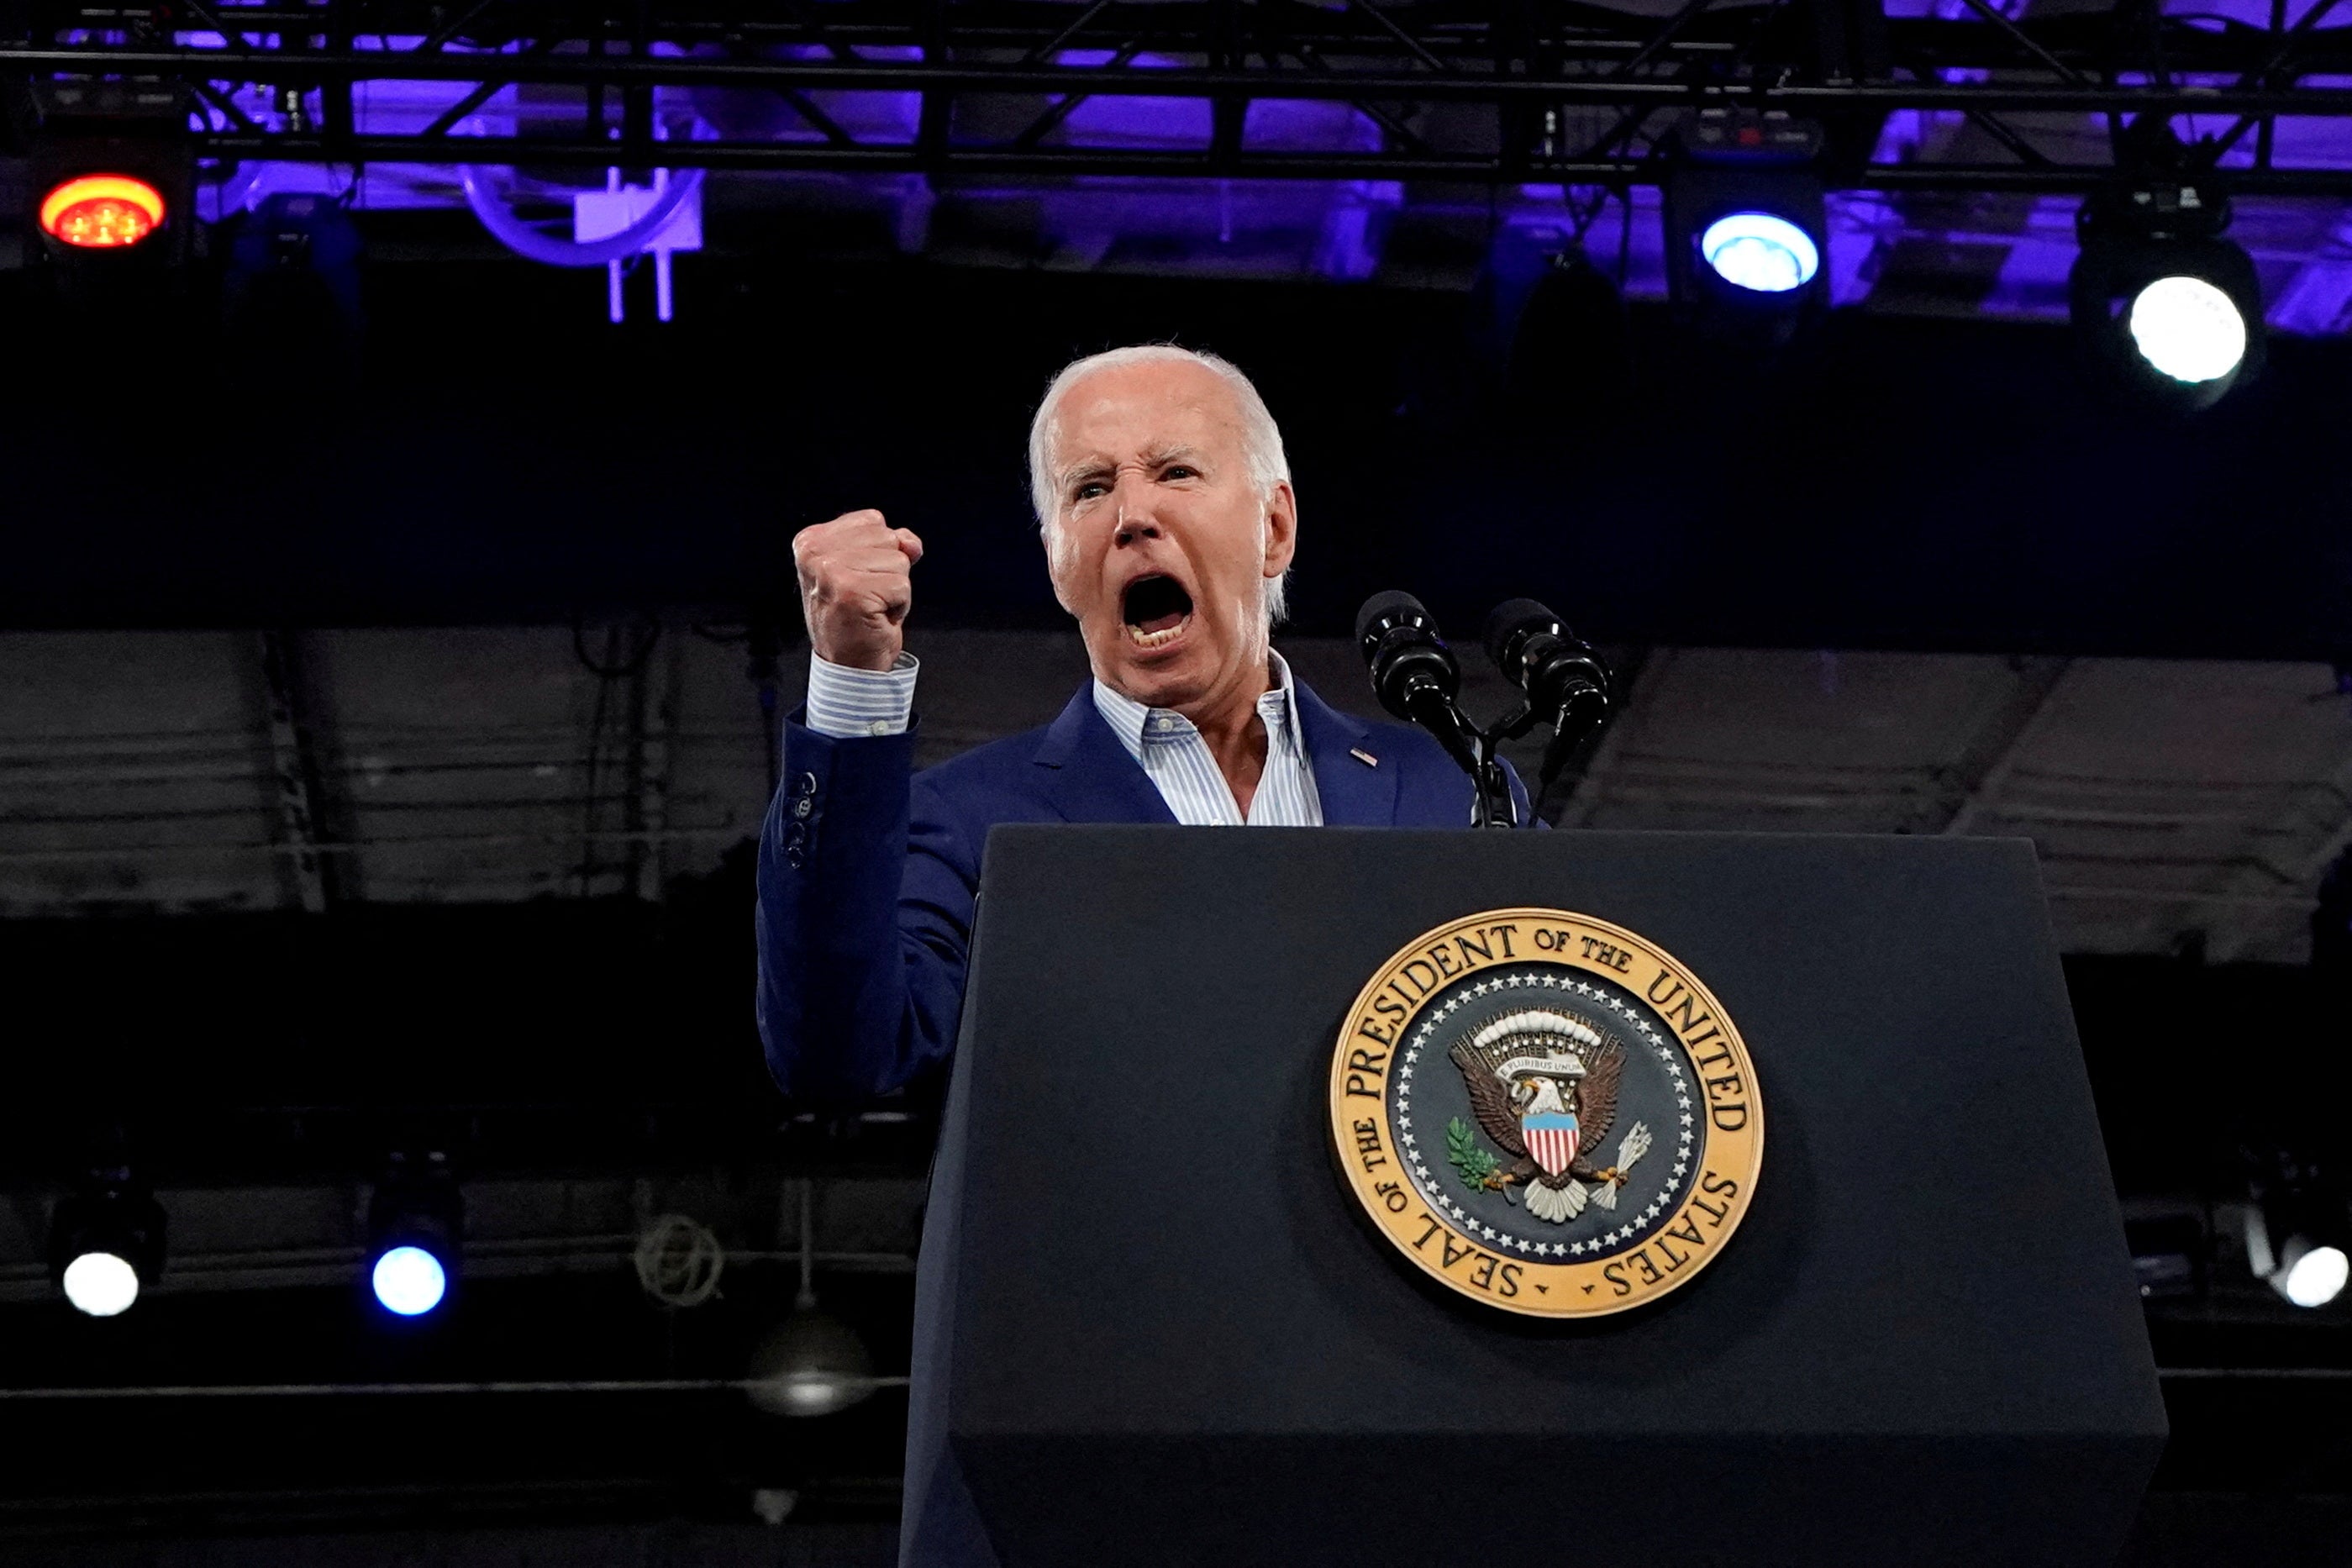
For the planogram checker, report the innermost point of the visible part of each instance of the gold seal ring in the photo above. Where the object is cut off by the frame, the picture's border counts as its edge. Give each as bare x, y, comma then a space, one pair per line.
1548, 1112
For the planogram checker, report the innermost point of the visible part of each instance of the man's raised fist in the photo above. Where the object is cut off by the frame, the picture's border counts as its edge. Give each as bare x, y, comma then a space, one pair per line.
856, 582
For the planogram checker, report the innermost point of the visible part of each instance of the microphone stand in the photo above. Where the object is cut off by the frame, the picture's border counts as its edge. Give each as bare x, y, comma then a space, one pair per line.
1494, 806
1582, 717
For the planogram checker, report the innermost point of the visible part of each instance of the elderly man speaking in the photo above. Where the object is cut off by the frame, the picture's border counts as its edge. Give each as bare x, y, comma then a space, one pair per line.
1169, 523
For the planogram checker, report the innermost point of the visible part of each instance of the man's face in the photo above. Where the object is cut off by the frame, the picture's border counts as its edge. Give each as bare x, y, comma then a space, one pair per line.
1161, 543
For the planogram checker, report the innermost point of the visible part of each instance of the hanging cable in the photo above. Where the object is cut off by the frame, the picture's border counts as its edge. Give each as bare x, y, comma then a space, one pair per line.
530, 244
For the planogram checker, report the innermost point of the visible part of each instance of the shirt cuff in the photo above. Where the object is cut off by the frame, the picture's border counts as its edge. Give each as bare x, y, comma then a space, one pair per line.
848, 704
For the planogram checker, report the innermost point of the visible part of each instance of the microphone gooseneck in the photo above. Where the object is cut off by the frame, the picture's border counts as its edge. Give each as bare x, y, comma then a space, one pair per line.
1415, 676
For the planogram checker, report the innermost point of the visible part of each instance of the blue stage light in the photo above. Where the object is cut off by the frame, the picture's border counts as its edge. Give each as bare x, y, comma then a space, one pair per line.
1762, 252
415, 1236
1745, 213
409, 1281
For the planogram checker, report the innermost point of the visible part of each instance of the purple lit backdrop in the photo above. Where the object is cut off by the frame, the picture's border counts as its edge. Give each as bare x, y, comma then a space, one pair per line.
2003, 256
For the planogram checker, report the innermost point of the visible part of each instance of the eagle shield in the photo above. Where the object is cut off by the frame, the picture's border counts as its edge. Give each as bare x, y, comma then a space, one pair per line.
1552, 1140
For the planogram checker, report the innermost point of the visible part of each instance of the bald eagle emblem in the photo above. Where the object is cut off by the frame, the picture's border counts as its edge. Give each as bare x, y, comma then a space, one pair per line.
1543, 1085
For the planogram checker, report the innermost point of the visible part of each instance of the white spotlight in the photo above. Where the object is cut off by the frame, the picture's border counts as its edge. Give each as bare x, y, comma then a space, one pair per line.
2188, 329
409, 1281
101, 1284
1762, 252
2310, 1276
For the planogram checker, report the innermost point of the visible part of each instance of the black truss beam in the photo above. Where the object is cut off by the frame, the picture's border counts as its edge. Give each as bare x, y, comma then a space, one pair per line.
2017, 80
1444, 40
962, 78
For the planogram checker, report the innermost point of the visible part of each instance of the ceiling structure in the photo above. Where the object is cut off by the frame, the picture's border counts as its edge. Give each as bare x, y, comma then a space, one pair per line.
1349, 141
2176, 806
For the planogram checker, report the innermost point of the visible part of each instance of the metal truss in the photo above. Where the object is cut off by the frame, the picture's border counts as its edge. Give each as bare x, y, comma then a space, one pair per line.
1479, 90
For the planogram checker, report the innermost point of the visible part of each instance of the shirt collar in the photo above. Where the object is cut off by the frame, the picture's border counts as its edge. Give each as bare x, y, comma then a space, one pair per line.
1130, 721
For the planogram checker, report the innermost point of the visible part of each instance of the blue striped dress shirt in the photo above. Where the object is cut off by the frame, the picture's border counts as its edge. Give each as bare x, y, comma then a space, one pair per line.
847, 703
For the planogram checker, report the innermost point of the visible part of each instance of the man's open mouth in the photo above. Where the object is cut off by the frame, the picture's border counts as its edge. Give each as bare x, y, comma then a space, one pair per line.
1156, 609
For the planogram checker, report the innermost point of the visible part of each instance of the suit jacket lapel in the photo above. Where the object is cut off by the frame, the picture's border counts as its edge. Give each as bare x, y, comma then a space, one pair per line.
1089, 776
1355, 777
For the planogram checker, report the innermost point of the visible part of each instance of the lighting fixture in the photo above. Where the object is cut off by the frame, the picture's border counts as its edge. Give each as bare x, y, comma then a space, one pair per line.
2188, 329
111, 176
416, 1219
2170, 309
106, 1241
408, 1279
2310, 1273
290, 296
2298, 1229
812, 1363
1571, 349
1746, 224
102, 212
1762, 252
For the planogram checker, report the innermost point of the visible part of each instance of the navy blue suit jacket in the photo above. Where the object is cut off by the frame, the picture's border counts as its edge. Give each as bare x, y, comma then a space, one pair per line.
868, 869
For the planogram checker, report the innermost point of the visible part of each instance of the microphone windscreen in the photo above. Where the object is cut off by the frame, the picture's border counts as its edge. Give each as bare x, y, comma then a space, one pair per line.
1383, 605
1508, 617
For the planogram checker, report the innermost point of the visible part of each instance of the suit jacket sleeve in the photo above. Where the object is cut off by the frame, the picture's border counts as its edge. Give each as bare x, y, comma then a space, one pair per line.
867, 885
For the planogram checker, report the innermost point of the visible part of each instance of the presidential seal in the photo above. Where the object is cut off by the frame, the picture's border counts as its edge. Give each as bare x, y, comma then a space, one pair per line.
1546, 1112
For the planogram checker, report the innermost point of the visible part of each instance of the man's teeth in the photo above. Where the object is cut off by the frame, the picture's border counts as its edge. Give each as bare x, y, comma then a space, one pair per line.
1142, 638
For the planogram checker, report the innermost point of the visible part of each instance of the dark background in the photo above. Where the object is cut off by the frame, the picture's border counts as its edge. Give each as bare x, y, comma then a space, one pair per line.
497, 455
500, 455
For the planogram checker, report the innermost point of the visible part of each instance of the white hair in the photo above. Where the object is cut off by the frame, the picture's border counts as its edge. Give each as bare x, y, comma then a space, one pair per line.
1261, 438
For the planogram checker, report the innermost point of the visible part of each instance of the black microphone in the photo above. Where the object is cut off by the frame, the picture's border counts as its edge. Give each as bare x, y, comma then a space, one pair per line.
1566, 683
1413, 672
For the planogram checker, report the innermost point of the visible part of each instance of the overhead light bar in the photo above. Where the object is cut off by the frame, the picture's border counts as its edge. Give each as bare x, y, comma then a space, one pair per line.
2168, 308
415, 1220
106, 1241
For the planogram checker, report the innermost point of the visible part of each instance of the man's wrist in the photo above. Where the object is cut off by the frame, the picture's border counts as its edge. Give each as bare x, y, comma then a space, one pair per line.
846, 703
875, 663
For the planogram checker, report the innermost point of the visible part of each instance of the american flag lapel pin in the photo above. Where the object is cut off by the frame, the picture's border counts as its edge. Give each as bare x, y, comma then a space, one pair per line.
1364, 756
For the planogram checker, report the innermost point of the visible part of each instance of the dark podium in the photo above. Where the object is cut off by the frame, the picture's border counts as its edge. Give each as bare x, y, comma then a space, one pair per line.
1153, 1328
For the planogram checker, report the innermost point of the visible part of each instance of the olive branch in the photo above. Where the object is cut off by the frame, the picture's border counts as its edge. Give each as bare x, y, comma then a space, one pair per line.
1462, 1151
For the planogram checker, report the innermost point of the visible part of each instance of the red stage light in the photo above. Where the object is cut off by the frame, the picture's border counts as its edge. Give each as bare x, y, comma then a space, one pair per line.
102, 211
